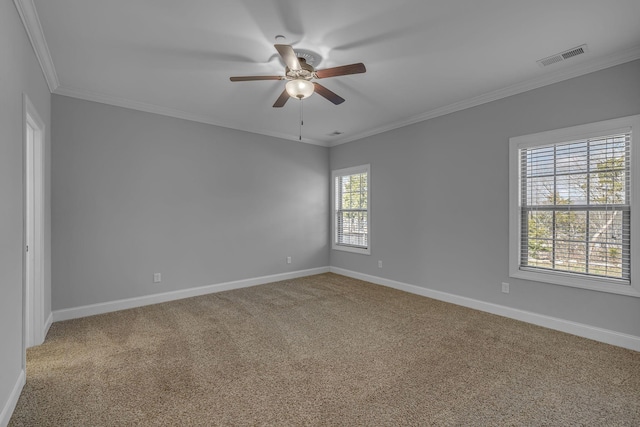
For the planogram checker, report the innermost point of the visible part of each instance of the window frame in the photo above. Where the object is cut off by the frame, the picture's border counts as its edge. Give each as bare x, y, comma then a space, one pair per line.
565, 135
334, 209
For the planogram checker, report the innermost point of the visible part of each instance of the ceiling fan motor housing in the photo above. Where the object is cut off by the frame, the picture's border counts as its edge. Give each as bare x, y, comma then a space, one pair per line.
305, 72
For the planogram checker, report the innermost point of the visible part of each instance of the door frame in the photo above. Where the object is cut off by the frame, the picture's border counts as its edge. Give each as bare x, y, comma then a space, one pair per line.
33, 184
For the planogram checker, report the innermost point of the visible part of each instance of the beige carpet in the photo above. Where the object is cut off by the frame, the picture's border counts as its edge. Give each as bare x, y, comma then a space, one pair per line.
322, 350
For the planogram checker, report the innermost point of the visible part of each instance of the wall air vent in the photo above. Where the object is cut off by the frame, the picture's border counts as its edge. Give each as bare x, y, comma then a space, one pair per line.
563, 55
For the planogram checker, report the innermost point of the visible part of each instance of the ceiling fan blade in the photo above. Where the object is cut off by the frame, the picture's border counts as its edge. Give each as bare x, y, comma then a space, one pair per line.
282, 99
341, 71
323, 91
289, 56
251, 78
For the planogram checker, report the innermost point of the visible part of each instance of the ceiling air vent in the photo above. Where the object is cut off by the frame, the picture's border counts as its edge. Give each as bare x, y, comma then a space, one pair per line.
563, 55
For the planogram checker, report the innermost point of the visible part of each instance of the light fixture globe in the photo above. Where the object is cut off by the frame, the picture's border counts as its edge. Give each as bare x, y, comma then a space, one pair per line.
299, 88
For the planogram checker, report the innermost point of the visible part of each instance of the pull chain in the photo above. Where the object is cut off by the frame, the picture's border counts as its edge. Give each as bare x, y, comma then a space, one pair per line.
301, 120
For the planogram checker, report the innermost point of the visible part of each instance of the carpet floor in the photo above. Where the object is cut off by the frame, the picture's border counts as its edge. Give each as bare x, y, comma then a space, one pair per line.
322, 350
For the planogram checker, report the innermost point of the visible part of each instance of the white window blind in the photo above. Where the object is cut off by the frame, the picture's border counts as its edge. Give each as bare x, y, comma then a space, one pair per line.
351, 209
575, 207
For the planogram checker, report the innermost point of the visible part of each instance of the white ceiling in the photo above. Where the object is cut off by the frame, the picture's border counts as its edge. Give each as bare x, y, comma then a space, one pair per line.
423, 58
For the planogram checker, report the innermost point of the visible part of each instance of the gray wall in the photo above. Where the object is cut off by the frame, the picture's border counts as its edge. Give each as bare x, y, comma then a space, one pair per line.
440, 192
19, 73
136, 193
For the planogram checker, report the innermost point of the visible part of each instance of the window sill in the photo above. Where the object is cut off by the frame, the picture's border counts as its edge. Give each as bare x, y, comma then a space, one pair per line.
575, 281
352, 249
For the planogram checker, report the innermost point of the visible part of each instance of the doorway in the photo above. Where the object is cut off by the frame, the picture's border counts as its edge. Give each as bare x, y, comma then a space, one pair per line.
33, 290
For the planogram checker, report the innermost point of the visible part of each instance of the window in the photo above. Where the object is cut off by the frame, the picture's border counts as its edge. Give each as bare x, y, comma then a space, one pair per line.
572, 221
351, 217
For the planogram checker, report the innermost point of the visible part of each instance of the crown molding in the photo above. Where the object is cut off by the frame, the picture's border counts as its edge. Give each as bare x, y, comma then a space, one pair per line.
548, 79
170, 112
31, 22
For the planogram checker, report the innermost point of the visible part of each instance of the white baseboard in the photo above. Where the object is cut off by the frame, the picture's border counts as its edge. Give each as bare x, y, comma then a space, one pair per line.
123, 304
7, 411
607, 336
619, 339
47, 325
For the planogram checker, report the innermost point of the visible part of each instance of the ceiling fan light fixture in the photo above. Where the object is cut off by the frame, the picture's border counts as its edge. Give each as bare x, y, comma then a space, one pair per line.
299, 88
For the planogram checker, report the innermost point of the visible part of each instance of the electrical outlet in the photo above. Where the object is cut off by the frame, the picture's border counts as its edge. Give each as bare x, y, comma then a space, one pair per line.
505, 287
157, 277
288, 260
380, 263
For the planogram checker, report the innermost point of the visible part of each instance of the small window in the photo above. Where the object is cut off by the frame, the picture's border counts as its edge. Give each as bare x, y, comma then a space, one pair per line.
351, 217
571, 206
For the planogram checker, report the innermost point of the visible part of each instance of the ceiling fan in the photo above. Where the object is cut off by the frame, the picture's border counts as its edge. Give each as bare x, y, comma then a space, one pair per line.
300, 75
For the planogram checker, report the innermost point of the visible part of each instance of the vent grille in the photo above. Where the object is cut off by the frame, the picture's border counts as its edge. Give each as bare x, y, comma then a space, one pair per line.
563, 55
572, 53
551, 60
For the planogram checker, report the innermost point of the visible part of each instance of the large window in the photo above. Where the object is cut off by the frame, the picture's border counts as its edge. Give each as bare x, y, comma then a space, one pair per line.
572, 219
351, 218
